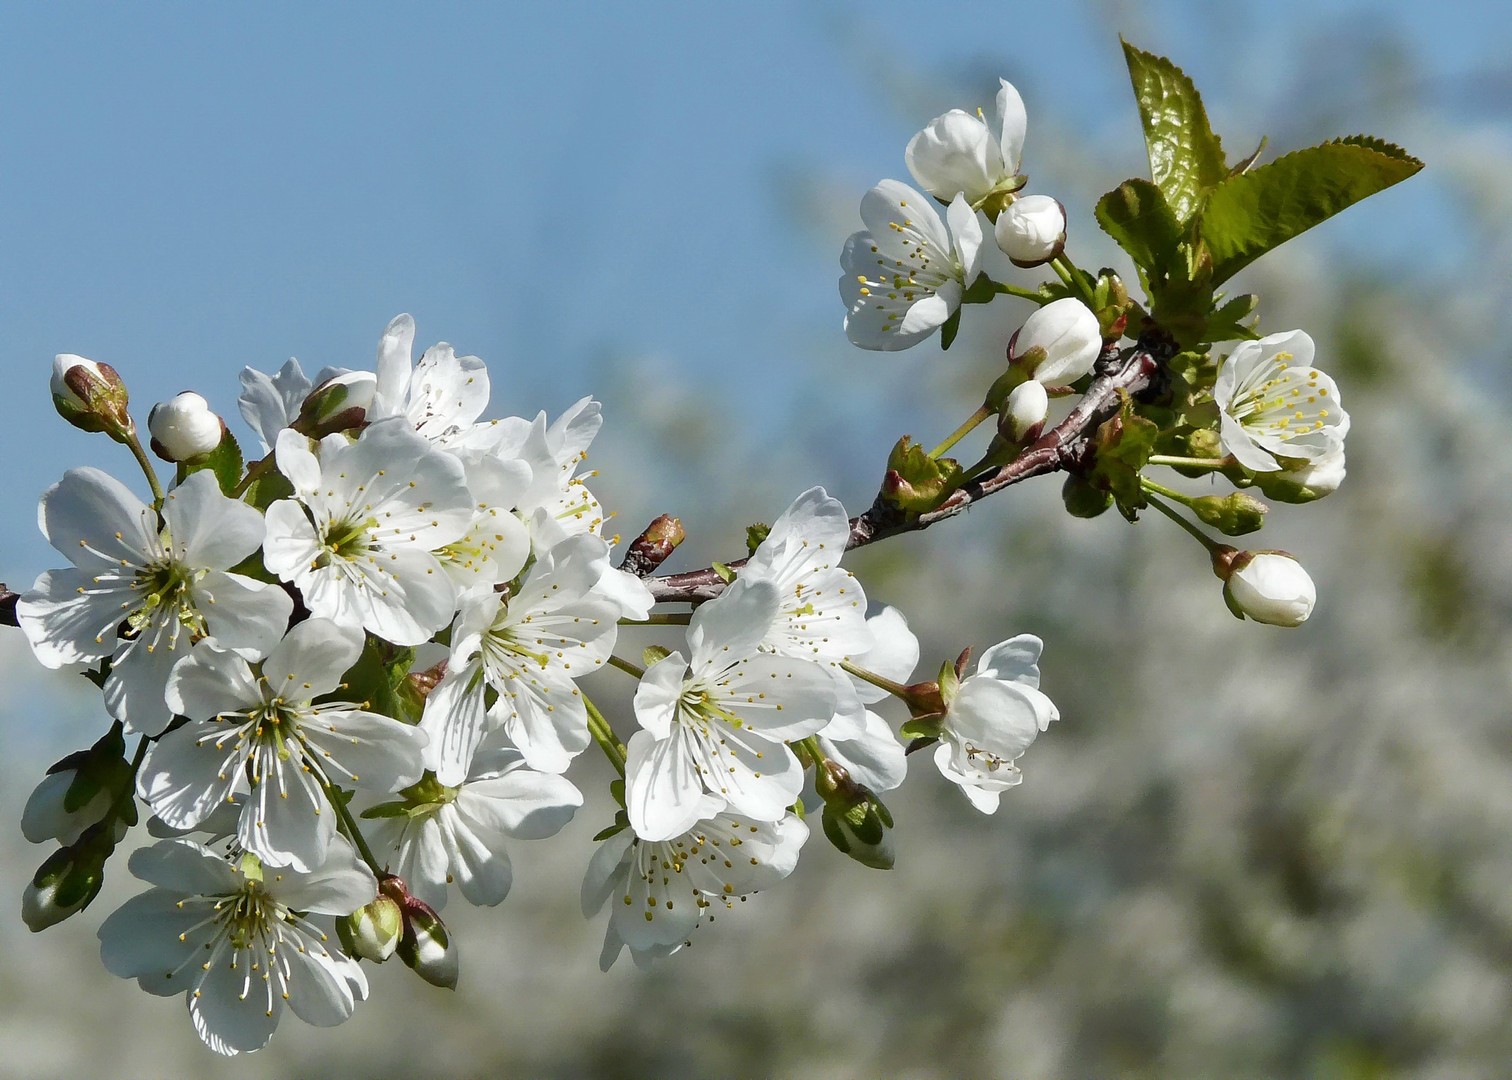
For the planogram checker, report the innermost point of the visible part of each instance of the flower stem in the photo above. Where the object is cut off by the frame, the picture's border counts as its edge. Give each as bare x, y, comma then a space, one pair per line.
815, 753
1022, 293
1211, 545
349, 828
896, 689
256, 472
1073, 279
961, 432
1151, 487
627, 667
603, 734
1188, 462
135, 446
669, 618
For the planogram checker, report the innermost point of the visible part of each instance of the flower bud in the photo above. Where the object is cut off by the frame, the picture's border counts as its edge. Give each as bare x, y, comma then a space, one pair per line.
1267, 586
1059, 343
861, 832
424, 944
1032, 230
184, 428
372, 932
1232, 515
1309, 480
1024, 412
338, 404
91, 396
1083, 498
68, 880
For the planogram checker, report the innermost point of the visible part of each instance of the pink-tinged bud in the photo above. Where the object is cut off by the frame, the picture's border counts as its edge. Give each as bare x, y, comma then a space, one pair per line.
1267, 586
1059, 343
184, 428
338, 404
1032, 231
91, 396
424, 945
1025, 411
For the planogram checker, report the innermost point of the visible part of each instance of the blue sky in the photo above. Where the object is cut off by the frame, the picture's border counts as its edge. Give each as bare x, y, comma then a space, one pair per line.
186, 189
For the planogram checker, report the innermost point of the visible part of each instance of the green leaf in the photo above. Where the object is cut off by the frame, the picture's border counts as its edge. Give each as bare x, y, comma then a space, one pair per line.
1138, 218
1253, 213
917, 482
1186, 158
376, 679
949, 330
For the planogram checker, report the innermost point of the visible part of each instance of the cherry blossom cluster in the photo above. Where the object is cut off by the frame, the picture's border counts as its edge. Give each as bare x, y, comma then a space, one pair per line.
350, 671
353, 670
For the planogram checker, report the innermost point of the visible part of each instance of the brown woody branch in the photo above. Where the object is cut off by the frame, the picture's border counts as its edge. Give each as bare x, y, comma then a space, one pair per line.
1062, 448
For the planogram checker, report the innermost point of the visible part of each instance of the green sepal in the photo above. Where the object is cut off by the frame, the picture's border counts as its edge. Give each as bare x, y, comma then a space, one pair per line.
917, 482
617, 790
1258, 211
225, 461
755, 534
387, 810
723, 571
918, 728
949, 329
981, 291
1186, 158
1123, 445
610, 830
653, 654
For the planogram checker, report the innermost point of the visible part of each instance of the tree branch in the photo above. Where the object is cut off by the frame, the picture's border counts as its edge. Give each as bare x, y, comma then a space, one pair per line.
1062, 448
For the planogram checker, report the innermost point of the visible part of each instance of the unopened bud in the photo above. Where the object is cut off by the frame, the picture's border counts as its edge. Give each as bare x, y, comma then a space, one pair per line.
338, 404
372, 932
68, 880
184, 428
1267, 586
1059, 343
1306, 482
1032, 231
1232, 515
91, 396
424, 944
854, 819
1024, 412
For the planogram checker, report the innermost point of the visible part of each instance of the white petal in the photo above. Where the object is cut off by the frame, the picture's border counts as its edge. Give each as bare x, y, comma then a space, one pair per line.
731, 626
240, 612
96, 521
1014, 124
664, 794
208, 530
522, 803
657, 695
309, 662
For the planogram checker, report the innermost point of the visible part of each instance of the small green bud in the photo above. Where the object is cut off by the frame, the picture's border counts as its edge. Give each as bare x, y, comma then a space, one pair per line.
68, 880
755, 534
91, 396
1084, 499
1204, 443
653, 654
1232, 515
917, 482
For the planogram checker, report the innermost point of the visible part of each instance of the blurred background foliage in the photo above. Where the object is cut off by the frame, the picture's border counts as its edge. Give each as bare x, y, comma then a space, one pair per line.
1243, 851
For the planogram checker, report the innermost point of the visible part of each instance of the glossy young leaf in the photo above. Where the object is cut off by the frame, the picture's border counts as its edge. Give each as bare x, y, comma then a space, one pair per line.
1253, 213
1186, 158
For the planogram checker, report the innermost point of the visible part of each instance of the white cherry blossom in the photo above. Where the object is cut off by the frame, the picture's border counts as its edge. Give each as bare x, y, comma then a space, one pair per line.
1275, 404
441, 396
660, 891
905, 273
993, 718
529, 646
270, 403
358, 538
961, 154
441, 834
256, 735
166, 587
716, 723
239, 941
